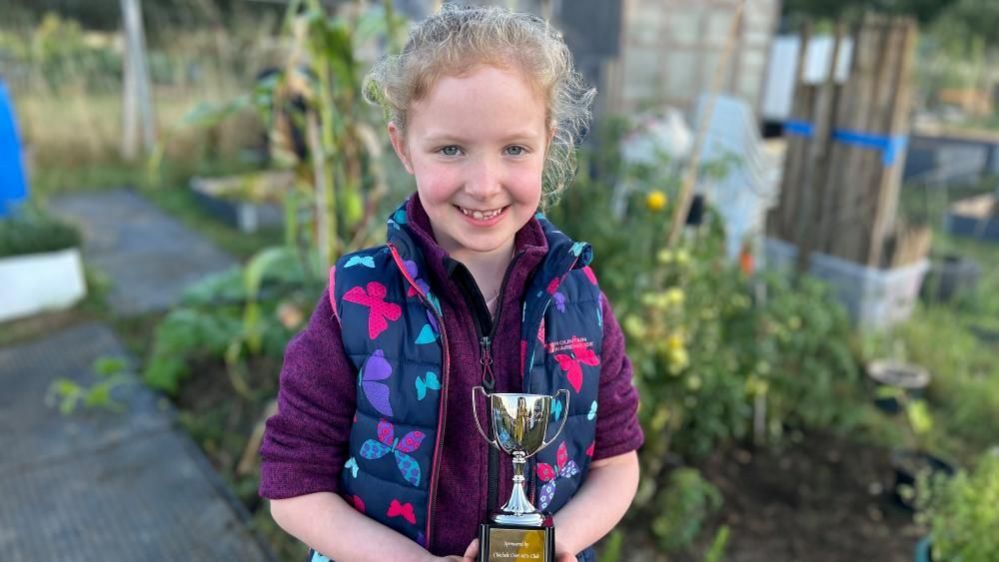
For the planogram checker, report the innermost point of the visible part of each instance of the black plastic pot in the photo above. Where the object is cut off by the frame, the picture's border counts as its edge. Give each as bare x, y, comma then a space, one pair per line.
906, 378
908, 465
949, 276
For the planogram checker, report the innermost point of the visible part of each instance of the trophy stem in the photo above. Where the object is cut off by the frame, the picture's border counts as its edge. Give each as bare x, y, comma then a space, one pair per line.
519, 510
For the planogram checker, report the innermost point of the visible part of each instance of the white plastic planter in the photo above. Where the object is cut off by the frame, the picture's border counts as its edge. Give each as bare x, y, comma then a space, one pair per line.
875, 298
36, 283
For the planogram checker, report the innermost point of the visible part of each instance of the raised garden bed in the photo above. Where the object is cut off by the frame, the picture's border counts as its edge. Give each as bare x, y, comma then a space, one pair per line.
975, 217
40, 265
246, 202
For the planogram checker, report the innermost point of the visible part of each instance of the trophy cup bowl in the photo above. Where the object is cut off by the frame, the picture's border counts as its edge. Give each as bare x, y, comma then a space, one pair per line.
519, 426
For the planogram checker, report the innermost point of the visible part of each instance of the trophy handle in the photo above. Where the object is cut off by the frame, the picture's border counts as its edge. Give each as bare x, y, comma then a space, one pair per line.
475, 414
565, 417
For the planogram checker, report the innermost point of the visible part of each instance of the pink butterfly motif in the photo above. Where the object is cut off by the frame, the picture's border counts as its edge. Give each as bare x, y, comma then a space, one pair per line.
554, 285
358, 503
547, 473
404, 510
388, 443
376, 369
590, 275
380, 312
572, 364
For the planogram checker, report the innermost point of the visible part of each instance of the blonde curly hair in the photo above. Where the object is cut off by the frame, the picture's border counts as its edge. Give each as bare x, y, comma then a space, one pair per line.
458, 38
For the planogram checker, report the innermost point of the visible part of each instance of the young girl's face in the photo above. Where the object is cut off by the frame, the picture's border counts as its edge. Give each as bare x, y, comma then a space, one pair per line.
476, 145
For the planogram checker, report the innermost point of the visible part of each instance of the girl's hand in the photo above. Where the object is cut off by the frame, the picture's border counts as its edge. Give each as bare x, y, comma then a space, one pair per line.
472, 553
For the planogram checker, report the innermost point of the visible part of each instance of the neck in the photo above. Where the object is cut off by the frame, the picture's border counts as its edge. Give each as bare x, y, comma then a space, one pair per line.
487, 268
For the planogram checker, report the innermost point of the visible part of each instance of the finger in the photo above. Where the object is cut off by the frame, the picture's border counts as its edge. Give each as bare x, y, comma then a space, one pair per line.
473, 550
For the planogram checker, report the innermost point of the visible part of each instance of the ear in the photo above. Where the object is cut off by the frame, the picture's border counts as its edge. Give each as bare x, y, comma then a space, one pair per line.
399, 144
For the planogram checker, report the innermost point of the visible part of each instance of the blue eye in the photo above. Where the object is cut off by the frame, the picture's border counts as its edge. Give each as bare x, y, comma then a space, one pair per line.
515, 150
450, 150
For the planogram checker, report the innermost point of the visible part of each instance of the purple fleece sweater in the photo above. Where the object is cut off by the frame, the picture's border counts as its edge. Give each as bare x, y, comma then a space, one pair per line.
305, 444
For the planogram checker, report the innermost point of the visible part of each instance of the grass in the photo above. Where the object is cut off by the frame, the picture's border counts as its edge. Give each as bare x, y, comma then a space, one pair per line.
951, 339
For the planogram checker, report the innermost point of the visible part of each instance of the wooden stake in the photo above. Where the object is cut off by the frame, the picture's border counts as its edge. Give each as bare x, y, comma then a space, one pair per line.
690, 178
137, 98
817, 167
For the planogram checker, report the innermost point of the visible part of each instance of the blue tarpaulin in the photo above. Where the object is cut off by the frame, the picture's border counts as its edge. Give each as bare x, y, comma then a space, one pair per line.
13, 187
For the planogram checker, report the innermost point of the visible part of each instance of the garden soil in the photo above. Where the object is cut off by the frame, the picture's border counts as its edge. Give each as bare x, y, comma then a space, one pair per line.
822, 499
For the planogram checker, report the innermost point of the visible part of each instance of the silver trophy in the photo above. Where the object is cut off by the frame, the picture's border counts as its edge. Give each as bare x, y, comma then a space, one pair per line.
519, 423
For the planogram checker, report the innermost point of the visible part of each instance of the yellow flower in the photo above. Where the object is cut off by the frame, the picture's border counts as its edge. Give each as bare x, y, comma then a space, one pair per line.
664, 256
656, 200
682, 257
635, 327
674, 296
674, 342
678, 360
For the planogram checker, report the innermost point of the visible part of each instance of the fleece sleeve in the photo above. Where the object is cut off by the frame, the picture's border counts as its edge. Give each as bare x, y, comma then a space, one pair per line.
618, 430
305, 443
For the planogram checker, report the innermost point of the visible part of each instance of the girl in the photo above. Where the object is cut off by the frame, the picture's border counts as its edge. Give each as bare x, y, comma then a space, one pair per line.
374, 454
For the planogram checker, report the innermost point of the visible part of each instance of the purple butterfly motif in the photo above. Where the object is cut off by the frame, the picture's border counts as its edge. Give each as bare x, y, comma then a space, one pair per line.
400, 448
549, 475
559, 301
414, 274
376, 369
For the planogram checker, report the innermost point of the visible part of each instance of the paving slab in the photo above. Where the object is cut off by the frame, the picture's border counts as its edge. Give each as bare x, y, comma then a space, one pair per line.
103, 486
149, 256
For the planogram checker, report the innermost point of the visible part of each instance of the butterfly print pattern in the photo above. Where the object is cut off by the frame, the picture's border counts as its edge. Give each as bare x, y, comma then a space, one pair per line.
387, 443
550, 475
380, 313
377, 369
423, 384
404, 510
572, 362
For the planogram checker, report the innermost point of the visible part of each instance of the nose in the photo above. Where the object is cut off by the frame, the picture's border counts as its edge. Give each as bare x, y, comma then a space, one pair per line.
484, 179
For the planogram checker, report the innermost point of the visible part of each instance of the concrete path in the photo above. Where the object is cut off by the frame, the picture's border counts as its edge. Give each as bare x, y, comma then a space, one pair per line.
97, 486
102, 486
149, 256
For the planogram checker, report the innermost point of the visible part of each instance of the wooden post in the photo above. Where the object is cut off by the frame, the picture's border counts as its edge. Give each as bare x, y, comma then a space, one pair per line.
847, 218
137, 102
898, 124
782, 217
817, 167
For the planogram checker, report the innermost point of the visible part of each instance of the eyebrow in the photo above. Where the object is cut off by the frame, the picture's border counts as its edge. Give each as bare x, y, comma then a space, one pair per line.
435, 138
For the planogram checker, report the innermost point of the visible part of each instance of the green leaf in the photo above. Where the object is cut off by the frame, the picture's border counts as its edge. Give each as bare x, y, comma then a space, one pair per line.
107, 366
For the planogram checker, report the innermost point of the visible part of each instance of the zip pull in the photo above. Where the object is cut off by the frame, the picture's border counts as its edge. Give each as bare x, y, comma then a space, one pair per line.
488, 380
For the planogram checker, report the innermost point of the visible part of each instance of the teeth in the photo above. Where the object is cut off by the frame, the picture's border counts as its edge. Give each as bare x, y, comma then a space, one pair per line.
481, 215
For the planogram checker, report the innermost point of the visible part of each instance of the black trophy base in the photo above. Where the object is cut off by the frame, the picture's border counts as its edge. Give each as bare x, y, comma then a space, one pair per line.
512, 543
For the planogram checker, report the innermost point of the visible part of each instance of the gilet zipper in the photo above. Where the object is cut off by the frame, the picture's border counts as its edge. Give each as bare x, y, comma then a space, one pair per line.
446, 368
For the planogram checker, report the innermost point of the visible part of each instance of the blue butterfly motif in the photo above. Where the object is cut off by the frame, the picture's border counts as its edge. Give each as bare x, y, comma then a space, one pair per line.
387, 443
399, 216
556, 409
427, 335
430, 382
577, 249
316, 557
366, 261
593, 411
600, 317
352, 466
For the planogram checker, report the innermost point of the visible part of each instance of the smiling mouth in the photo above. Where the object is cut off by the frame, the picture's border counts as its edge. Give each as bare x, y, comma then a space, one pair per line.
481, 215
